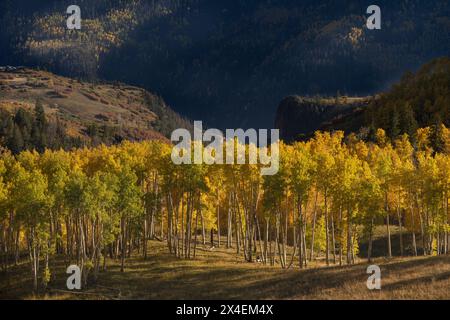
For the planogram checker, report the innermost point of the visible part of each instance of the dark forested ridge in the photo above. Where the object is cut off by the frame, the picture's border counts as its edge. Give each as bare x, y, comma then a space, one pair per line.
229, 63
418, 100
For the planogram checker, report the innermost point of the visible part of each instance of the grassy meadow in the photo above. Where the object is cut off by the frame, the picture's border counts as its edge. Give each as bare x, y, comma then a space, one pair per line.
220, 273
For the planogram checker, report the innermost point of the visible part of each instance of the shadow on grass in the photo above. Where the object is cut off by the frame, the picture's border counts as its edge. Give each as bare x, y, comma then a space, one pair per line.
220, 274
418, 281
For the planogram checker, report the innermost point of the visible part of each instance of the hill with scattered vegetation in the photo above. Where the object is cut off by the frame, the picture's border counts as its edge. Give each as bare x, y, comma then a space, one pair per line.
39, 109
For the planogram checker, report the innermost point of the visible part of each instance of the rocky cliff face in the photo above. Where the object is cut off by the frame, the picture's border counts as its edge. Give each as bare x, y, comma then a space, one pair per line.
298, 117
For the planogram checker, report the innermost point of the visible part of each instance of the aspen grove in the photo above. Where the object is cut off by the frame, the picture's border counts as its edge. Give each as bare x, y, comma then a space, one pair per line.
89, 205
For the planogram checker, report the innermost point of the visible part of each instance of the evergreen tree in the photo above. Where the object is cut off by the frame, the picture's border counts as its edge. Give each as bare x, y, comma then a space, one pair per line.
24, 120
408, 123
437, 138
16, 143
40, 127
394, 129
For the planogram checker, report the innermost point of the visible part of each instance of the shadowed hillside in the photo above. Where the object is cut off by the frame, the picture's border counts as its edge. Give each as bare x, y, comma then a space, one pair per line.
229, 63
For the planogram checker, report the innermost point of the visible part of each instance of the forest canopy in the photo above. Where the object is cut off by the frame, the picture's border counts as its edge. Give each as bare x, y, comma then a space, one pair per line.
329, 195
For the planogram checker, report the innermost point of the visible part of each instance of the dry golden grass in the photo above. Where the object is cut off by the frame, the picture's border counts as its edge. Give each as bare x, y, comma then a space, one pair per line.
221, 274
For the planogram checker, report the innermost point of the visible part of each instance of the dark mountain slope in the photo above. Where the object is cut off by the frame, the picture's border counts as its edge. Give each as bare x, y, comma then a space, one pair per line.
229, 62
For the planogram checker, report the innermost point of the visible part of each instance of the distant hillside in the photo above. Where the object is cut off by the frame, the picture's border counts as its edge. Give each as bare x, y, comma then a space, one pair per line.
85, 113
298, 117
228, 62
418, 100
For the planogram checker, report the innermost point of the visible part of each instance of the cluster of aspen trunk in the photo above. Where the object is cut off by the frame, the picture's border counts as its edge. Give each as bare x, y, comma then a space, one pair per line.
327, 204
